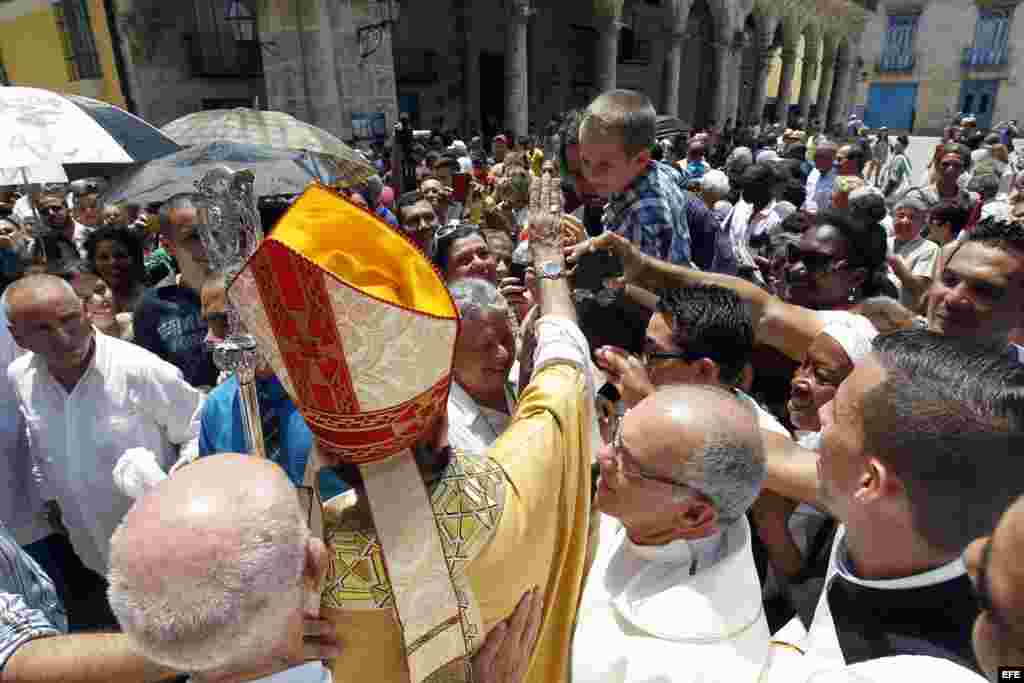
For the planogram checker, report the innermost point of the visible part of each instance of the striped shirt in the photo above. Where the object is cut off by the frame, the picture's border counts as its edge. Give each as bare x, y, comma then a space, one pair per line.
29, 607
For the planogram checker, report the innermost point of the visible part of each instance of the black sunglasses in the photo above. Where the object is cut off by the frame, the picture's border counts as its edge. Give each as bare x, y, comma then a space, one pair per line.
690, 356
813, 261
981, 588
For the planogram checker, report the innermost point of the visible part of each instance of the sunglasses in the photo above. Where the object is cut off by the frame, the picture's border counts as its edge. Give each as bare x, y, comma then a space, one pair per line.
51, 209
813, 261
980, 587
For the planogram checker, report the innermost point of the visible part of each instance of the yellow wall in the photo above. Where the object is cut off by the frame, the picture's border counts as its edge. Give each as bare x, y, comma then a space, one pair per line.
33, 51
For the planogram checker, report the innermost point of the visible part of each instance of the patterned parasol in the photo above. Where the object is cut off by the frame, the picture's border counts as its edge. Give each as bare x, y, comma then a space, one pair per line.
273, 129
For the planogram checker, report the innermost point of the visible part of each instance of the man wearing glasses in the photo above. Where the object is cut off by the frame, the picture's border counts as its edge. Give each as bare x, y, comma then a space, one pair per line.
673, 594
58, 228
699, 335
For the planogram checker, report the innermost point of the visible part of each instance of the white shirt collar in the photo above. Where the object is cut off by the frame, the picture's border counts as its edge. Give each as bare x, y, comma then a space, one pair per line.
697, 554
932, 577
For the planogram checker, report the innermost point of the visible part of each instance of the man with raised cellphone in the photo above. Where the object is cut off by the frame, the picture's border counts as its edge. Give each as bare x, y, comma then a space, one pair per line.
647, 200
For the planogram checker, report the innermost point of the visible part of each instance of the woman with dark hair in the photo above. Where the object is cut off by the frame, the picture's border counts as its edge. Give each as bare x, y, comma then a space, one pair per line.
460, 250
116, 256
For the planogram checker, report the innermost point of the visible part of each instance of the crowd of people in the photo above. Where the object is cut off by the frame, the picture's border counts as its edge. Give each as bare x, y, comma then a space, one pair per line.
752, 395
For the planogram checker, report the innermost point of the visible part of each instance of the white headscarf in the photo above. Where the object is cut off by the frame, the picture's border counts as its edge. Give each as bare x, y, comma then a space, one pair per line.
852, 332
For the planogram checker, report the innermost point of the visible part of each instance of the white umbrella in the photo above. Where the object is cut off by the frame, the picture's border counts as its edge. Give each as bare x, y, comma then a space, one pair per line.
39, 127
40, 174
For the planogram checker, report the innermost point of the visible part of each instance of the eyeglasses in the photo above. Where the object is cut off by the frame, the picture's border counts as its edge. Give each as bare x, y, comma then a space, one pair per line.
635, 472
690, 356
812, 260
449, 228
51, 209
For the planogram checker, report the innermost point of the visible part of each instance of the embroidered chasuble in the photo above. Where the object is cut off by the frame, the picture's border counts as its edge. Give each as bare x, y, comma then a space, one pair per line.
534, 484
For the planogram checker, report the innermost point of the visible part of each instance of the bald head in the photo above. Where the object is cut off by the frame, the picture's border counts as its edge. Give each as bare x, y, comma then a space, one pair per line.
33, 291
224, 579
710, 438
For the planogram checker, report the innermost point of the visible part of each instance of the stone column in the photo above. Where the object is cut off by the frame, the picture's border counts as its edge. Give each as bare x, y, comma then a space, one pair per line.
670, 76
757, 100
517, 115
470, 57
844, 88
807, 76
828, 74
607, 58
723, 71
735, 79
785, 83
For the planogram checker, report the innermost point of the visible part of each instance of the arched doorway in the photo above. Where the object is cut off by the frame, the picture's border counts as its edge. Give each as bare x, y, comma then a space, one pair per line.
697, 78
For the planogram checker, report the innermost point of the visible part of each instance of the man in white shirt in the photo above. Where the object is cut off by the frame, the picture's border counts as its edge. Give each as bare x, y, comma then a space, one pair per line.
901, 435
699, 335
821, 179
86, 399
480, 403
754, 216
673, 594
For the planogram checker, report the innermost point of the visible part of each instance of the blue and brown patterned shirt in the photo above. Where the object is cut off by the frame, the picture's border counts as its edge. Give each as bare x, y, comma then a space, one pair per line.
29, 606
652, 214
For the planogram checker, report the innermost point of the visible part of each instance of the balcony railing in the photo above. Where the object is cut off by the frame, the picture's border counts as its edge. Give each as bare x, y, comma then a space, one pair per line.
985, 58
895, 62
219, 54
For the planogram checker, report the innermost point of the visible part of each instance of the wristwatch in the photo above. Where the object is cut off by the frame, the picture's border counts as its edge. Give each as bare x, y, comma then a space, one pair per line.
551, 270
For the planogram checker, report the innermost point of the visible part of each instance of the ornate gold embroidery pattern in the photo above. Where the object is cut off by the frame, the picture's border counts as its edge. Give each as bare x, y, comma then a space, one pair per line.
467, 504
356, 576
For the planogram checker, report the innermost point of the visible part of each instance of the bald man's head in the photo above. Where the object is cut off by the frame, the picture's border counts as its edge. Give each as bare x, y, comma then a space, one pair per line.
697, 437
47, 317
207, 569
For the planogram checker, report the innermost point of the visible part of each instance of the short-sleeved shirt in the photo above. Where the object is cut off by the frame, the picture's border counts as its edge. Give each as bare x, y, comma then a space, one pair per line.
920, 257
168, 322
29, 606
652, 214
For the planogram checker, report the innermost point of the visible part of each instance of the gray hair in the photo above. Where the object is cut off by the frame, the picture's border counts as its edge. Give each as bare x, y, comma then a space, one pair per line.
475, 298
730, 467
716, 182
235, 613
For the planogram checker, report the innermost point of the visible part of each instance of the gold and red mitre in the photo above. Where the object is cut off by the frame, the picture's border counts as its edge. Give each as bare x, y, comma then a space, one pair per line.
356, 323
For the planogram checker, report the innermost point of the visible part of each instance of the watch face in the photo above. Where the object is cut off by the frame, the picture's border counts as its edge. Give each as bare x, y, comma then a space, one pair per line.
551, 270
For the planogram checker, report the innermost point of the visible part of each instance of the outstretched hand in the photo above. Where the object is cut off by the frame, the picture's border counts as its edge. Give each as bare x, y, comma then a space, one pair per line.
626, 373
632, 258
505, 655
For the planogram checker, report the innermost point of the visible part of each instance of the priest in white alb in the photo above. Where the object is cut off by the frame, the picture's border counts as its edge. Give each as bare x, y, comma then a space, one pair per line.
673, 594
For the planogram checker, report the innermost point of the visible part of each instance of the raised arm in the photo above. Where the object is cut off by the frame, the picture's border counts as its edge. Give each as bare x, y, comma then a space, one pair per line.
788, 328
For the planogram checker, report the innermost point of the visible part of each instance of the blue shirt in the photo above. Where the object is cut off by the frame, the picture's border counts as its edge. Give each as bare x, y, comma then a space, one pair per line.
285, 434
652, 214
386, 215
29, 606
168, 322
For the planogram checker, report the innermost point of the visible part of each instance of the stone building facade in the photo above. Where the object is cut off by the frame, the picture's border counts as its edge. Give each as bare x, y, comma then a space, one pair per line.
926, 60
512, 64
486, 64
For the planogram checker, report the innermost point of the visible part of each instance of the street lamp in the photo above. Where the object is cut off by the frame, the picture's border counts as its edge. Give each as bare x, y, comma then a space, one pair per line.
371, 36
241, 20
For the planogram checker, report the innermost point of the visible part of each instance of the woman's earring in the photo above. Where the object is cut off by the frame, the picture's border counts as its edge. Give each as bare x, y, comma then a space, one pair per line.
853, 295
